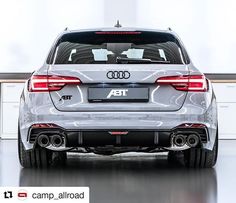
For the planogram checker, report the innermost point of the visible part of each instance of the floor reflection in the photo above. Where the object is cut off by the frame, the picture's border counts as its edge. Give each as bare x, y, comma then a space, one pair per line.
129, 179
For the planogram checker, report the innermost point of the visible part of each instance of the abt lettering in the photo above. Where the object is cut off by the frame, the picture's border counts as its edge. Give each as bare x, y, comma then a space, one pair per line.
65, 97
117, 93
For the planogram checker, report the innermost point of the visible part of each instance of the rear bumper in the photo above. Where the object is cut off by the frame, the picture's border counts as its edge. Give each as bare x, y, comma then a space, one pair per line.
152, 131
77, 122
117, 138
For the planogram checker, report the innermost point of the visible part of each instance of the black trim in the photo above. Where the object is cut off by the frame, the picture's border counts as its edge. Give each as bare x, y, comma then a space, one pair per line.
15, 76
24, 76
102, 137
221, 76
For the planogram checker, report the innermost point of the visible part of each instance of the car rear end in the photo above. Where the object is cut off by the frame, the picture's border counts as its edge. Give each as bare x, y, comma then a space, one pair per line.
111, 91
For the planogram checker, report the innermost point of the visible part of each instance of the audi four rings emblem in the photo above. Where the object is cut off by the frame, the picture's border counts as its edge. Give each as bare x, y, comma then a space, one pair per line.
118, 74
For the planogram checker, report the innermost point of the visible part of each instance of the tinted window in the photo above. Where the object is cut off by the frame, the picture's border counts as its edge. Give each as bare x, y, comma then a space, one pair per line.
106, 47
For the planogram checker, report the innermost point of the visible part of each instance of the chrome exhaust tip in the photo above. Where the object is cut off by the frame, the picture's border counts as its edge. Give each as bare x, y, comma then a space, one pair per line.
179, 140
192, 140
43, 140
56, 140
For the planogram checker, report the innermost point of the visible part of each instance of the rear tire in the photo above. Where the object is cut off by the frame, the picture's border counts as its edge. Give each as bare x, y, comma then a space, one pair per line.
201, 158
39, 157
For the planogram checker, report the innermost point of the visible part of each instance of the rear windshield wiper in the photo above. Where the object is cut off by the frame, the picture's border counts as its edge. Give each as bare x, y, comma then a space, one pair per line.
121, 60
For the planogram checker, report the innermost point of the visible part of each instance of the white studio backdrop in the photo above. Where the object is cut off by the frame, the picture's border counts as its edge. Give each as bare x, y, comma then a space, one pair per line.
28, 27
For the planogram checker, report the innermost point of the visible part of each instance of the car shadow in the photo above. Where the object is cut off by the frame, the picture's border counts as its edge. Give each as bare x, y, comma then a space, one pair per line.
129, 178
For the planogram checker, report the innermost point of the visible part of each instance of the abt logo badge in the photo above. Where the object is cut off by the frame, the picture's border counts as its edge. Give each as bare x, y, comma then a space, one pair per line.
117, 93
65, 97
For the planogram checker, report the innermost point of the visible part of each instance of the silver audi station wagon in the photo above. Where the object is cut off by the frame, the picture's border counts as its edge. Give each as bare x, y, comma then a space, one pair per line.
115, 90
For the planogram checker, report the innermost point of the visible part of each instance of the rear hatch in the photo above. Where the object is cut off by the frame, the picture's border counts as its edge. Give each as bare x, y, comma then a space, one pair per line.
118, 71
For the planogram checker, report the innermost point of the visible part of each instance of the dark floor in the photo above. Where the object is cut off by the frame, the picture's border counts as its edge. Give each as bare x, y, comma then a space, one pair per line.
131, 177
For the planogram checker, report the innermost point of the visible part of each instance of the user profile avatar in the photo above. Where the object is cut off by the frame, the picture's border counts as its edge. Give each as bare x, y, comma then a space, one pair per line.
22, 194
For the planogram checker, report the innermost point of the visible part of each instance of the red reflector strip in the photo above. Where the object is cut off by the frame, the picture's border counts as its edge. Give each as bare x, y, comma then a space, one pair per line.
118, 33
44, 125
119, 132
191, 125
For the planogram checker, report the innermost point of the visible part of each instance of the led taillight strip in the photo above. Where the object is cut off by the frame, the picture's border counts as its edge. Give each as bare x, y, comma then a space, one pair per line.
185, 82
44, 83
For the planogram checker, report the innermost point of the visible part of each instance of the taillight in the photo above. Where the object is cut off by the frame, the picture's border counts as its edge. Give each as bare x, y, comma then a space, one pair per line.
185, 83
45, 83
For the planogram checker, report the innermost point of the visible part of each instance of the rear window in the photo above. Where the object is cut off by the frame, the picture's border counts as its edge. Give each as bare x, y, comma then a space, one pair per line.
117, 47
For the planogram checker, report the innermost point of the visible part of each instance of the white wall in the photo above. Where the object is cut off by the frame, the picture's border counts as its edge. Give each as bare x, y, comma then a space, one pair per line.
28, 27
123, 10
207, 28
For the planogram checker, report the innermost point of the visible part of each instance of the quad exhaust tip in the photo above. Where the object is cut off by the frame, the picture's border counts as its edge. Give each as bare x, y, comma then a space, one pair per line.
192, 140
179, 140
43, 140
56, 140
